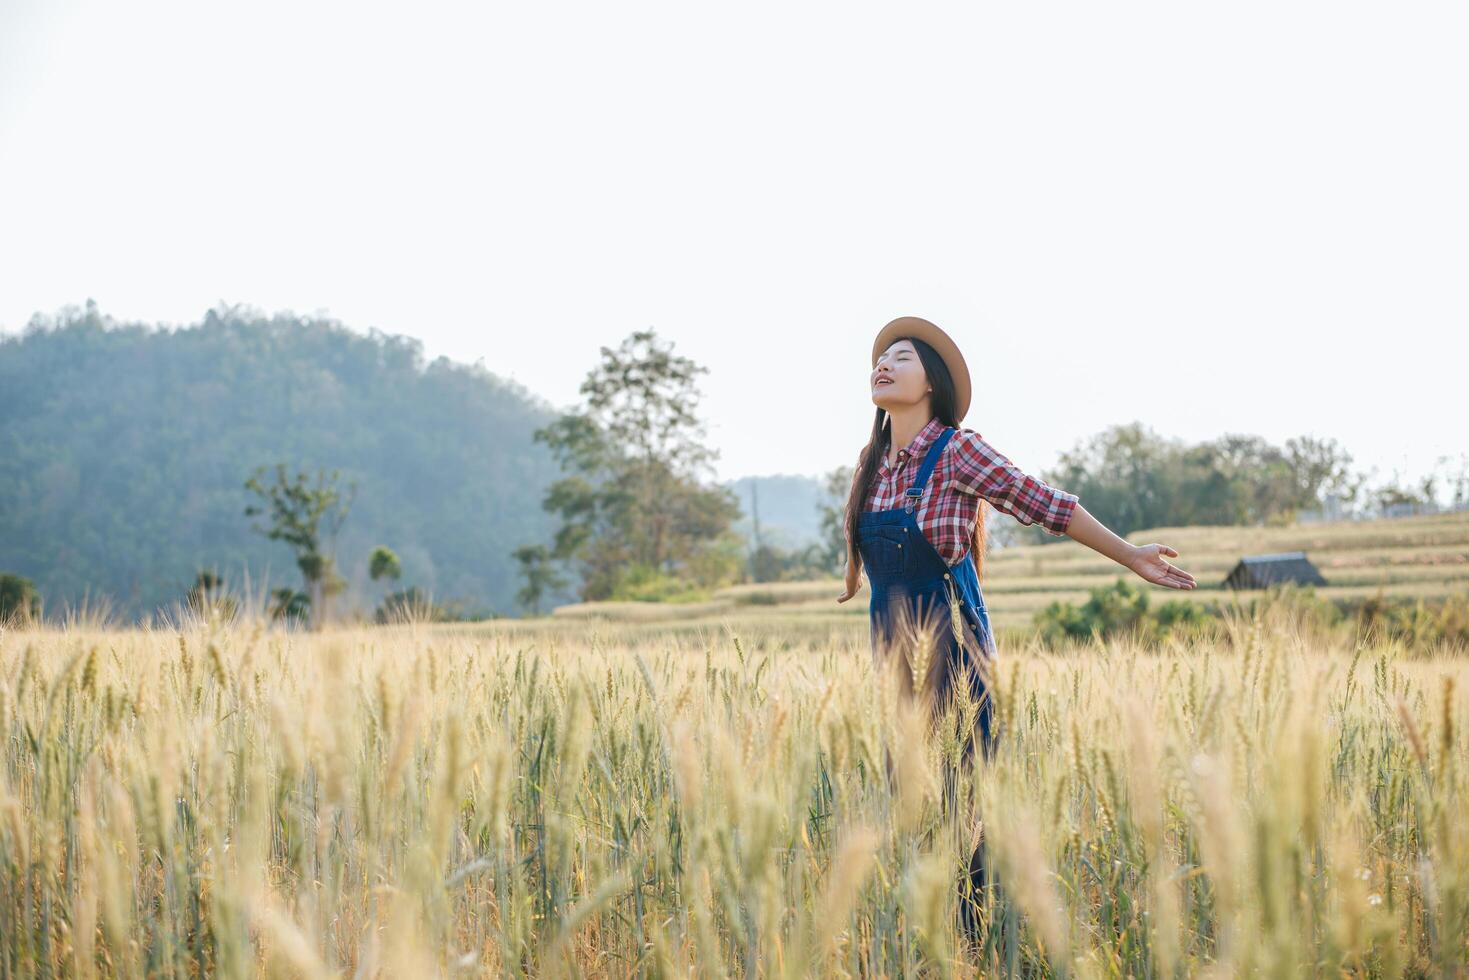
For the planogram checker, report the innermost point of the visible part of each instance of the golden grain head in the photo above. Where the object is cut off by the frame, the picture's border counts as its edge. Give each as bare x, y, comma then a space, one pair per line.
771, 797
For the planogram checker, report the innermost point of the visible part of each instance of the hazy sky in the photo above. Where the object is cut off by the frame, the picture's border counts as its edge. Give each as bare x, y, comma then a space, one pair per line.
1243, 217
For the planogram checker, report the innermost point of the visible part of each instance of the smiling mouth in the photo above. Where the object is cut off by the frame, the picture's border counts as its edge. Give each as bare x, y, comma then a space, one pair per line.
882, 381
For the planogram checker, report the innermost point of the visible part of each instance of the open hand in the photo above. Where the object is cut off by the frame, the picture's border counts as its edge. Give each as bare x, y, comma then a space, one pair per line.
1147, 560
853, 583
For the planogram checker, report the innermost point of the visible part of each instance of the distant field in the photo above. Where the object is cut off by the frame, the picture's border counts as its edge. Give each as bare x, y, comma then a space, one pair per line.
1416, 556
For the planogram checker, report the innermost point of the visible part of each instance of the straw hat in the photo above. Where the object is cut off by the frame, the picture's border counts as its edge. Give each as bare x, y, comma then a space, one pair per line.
916, 326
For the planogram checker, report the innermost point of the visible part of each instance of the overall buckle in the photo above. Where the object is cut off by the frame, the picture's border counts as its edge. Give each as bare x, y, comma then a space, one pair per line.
911, 496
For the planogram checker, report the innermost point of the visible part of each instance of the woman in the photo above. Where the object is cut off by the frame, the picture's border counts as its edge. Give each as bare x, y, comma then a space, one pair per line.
916, 519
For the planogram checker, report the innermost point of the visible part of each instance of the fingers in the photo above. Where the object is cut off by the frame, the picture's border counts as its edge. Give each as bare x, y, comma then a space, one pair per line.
1174, 581
1182, 575
1170, 577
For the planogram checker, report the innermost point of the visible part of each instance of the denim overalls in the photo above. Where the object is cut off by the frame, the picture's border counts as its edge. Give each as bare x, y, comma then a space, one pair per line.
904, 567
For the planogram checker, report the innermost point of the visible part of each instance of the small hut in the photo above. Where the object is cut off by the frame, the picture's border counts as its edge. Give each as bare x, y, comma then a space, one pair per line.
1262, 571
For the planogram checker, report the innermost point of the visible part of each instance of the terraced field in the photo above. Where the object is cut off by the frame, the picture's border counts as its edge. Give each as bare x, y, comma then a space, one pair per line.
1418, 556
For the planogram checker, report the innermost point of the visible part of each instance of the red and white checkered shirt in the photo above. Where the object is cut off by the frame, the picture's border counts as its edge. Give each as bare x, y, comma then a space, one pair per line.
969, 469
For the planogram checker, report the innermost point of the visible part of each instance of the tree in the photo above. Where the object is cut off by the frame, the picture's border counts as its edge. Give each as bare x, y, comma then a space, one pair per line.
384, 563
1267, 484
632, 505
1456, 478
1120, 474
772, 563
837, 486
538, 569
18, 598
1131, 478
1321, 467
306, 515
1395, 493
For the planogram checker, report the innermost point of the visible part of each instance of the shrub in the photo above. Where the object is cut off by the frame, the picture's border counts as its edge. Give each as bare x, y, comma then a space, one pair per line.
1119, 608
18, 598
1123, 608
640, 583
414, 605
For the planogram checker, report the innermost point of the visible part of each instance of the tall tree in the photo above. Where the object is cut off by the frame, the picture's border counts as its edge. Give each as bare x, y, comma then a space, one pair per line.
633, 503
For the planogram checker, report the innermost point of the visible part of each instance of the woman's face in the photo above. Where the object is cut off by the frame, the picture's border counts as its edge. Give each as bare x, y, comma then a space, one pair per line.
898, 380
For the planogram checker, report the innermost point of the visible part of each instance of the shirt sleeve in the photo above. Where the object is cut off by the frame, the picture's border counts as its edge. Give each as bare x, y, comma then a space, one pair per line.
982, 470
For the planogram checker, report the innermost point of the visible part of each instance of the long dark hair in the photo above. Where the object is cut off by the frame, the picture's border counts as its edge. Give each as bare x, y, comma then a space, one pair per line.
941, 401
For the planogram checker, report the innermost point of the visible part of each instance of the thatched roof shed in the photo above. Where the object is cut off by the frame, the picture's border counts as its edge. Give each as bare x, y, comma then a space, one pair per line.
1261, 571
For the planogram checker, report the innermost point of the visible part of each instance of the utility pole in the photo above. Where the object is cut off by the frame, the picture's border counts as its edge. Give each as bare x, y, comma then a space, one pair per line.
755, 519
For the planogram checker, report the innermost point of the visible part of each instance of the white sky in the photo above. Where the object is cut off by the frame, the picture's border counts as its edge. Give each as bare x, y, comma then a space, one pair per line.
1245, 217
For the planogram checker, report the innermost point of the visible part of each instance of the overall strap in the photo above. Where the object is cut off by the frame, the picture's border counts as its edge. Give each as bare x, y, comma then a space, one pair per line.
930, 460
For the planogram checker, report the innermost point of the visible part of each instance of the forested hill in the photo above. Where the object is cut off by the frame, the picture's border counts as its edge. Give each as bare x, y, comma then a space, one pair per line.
124, 450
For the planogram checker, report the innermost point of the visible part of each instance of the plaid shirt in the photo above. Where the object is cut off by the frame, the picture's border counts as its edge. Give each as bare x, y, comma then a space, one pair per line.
969, 469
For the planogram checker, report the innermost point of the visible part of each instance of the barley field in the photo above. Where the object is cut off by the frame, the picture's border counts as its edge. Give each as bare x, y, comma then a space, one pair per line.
610, 799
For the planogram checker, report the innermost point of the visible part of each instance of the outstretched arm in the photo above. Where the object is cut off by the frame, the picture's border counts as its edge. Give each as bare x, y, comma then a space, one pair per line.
982, 469
1145, 559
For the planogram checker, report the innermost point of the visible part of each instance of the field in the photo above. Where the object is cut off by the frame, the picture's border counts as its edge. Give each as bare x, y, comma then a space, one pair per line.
737, 794
502, 803
1417, 556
